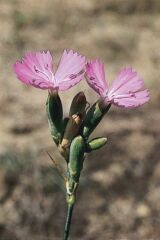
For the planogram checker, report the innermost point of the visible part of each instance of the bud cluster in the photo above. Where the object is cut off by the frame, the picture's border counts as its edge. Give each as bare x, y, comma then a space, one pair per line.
71, 134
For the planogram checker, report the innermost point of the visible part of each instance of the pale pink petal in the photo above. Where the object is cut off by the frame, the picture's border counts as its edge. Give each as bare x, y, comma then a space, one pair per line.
127, 80
36, 69
138, 99
40, 64
65, 85
127, 90
70, 70
22, 72
122, 78
95, 76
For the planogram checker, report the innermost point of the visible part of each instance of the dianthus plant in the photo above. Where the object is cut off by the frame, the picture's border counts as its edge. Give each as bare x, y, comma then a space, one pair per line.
72, 133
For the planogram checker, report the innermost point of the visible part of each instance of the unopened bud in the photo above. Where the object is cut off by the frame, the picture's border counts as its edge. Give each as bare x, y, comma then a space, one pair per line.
96, 143
78, 104
93, 117
75, 164
71, 129
76, 115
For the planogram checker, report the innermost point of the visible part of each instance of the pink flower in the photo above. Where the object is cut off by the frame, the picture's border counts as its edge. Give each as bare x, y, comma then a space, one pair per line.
36, 69
127, 90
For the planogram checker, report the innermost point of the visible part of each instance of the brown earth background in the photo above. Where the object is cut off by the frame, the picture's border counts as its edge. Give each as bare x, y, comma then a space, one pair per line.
119, 193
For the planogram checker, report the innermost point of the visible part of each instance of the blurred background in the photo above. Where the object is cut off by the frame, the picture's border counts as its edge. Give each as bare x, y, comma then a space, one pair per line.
119, 193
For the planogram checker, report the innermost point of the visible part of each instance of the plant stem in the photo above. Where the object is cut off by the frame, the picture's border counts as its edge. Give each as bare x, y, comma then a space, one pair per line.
68, 221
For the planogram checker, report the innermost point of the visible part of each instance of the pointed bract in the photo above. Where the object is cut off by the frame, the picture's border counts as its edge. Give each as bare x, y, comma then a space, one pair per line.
36, 69
127, 90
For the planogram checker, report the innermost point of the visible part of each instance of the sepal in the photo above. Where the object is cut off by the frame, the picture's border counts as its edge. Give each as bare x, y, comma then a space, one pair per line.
55, 116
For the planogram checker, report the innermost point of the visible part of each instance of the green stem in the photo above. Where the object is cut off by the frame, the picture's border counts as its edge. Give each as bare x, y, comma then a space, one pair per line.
68, 221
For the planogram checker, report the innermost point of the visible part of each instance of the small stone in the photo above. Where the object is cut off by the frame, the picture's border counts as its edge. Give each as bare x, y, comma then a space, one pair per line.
143, 210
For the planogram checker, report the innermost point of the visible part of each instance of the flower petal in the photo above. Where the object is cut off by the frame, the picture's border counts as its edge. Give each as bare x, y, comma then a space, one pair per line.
36, 69
95, 76
127, 80
70, 70
138, 99
127, 90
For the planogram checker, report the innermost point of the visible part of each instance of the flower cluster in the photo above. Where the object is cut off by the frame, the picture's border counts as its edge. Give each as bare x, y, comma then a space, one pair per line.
71, 134
37, 69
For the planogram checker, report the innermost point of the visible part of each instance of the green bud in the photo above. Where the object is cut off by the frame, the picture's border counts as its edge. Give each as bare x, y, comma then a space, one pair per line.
75, 164
93, 117
78, 104
55, 116
96, 143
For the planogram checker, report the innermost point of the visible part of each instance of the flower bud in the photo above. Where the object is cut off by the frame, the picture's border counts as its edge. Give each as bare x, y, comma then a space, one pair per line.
75, 164
76, 115
96, 143
55, 116
71, 128
78, 104
93, 117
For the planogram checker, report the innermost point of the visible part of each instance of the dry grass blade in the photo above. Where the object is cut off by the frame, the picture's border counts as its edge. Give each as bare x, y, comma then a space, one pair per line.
60, 171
